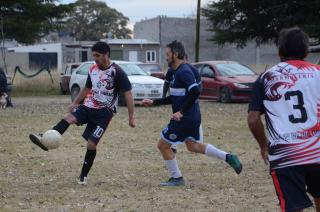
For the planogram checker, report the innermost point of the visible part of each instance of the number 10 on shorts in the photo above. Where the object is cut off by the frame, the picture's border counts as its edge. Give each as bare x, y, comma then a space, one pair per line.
98, 132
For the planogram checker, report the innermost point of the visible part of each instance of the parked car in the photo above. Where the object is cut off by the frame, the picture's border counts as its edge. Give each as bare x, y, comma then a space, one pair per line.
153, 69
143, 85
225, 81
66, 75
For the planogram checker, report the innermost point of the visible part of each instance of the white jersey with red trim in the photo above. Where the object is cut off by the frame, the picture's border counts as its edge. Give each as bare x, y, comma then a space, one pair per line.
292, 112
103, 92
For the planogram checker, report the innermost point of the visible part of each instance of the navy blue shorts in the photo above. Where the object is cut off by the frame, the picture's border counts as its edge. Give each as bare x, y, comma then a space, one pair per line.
97, 121
174, 134
292, 184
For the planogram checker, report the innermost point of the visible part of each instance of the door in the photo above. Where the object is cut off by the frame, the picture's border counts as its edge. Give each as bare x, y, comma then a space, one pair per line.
209, 82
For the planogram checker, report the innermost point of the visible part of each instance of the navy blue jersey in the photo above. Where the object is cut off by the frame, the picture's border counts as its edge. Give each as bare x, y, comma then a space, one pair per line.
170, 73
182, 81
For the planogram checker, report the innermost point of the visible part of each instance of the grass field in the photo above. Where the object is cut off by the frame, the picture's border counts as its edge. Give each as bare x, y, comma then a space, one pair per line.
128, 166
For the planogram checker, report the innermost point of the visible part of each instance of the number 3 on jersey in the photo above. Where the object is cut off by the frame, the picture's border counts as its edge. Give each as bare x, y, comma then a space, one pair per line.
288, 95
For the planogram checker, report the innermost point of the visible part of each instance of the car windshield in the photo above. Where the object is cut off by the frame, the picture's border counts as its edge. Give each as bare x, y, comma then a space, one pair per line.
150, 67
233, 69
132, 69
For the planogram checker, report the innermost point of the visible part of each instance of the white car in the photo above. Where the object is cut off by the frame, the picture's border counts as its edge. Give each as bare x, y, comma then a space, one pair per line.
143, 85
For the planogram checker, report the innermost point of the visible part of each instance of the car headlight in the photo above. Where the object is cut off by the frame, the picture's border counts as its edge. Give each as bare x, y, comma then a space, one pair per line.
239, 85
136, 85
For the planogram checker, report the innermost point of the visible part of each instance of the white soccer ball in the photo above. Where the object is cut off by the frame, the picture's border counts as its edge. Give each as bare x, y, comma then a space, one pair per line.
51, 139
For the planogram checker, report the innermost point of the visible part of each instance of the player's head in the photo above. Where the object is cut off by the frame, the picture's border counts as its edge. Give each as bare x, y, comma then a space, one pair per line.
101, 54
293, 43
175, 51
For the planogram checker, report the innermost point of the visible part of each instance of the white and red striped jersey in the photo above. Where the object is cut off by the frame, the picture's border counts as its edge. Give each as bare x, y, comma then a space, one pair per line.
289, 95
105, 86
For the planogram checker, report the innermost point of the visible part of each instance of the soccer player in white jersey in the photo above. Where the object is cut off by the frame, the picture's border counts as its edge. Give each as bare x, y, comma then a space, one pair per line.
186, 118
105, 81
288, 95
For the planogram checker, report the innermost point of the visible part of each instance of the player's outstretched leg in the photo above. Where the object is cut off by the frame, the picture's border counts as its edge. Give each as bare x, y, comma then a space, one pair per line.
234, 162
36, 139
212, 151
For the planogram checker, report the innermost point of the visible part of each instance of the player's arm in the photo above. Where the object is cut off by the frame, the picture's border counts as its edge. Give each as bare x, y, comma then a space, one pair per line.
165, 89
130, 105
82, 94
257, 129
256, 109
162, 101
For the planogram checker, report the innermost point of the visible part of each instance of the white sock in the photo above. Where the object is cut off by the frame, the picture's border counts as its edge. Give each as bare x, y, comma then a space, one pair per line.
215, 152
172, 166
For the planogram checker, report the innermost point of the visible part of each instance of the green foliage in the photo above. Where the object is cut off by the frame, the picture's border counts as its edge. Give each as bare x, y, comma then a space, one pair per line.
27, 21
239, 21
93, 20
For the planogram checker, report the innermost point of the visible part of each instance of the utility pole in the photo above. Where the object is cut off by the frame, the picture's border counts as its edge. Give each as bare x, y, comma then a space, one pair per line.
197, 32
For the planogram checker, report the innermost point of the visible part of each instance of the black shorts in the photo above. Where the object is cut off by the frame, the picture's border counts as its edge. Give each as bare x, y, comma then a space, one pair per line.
292, 184
97, 121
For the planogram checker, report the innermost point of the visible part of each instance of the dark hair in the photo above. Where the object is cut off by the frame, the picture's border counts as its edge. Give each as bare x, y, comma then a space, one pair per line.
101, 47
293, 43
177, 47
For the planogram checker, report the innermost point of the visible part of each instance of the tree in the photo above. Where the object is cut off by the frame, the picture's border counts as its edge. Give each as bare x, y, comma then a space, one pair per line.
93, 20
239, 21
27, 21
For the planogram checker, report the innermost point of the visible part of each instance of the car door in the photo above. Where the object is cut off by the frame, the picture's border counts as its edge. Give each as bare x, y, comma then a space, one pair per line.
82, 74
209, 82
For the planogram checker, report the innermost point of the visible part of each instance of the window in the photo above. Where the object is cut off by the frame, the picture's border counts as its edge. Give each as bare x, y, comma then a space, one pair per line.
84, 69
207, 72
151, 56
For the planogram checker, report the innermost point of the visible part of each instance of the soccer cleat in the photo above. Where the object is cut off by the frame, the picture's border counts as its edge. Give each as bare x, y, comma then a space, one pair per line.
173, 182
82, 180
36, 139
234, 162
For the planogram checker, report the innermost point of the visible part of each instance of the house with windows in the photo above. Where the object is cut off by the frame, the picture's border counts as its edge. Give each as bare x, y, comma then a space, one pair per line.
57, 55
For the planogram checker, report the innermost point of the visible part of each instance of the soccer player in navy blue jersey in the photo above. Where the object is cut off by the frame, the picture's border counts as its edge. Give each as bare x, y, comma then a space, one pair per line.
186, 118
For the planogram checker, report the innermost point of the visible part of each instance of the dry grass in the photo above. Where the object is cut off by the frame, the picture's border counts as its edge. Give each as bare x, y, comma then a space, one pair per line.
128, 166
40, 85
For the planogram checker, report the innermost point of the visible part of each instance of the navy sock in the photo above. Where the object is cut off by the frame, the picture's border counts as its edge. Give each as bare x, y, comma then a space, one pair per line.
88, 161
62, 126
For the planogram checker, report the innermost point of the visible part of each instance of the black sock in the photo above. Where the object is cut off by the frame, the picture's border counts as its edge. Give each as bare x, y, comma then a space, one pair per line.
88, 161
62, 126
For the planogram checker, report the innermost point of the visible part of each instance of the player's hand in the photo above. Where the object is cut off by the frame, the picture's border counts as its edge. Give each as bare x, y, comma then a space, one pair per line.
147, 102
264, 155
132, 122
177, 116
72, 106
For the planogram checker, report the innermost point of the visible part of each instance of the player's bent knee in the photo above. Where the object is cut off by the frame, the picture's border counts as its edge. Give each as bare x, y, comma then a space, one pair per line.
70, 118
91, 145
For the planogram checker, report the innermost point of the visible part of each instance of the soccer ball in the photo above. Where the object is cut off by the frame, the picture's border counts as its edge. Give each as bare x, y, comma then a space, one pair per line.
51, 139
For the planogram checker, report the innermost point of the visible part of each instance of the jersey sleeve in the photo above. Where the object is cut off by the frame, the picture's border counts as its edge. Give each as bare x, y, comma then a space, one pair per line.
256, 100
89, 82
169, 75
122, 81
186, 77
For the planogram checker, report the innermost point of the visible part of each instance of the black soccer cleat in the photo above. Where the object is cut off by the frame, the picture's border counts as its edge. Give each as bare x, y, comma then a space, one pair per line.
36, 139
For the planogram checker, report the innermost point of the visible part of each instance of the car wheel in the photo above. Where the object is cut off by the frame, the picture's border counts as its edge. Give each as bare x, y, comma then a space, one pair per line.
225, 95
121, 100
75, 90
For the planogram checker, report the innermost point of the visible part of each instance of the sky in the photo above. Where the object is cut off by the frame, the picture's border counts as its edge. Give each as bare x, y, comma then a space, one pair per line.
137, 10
